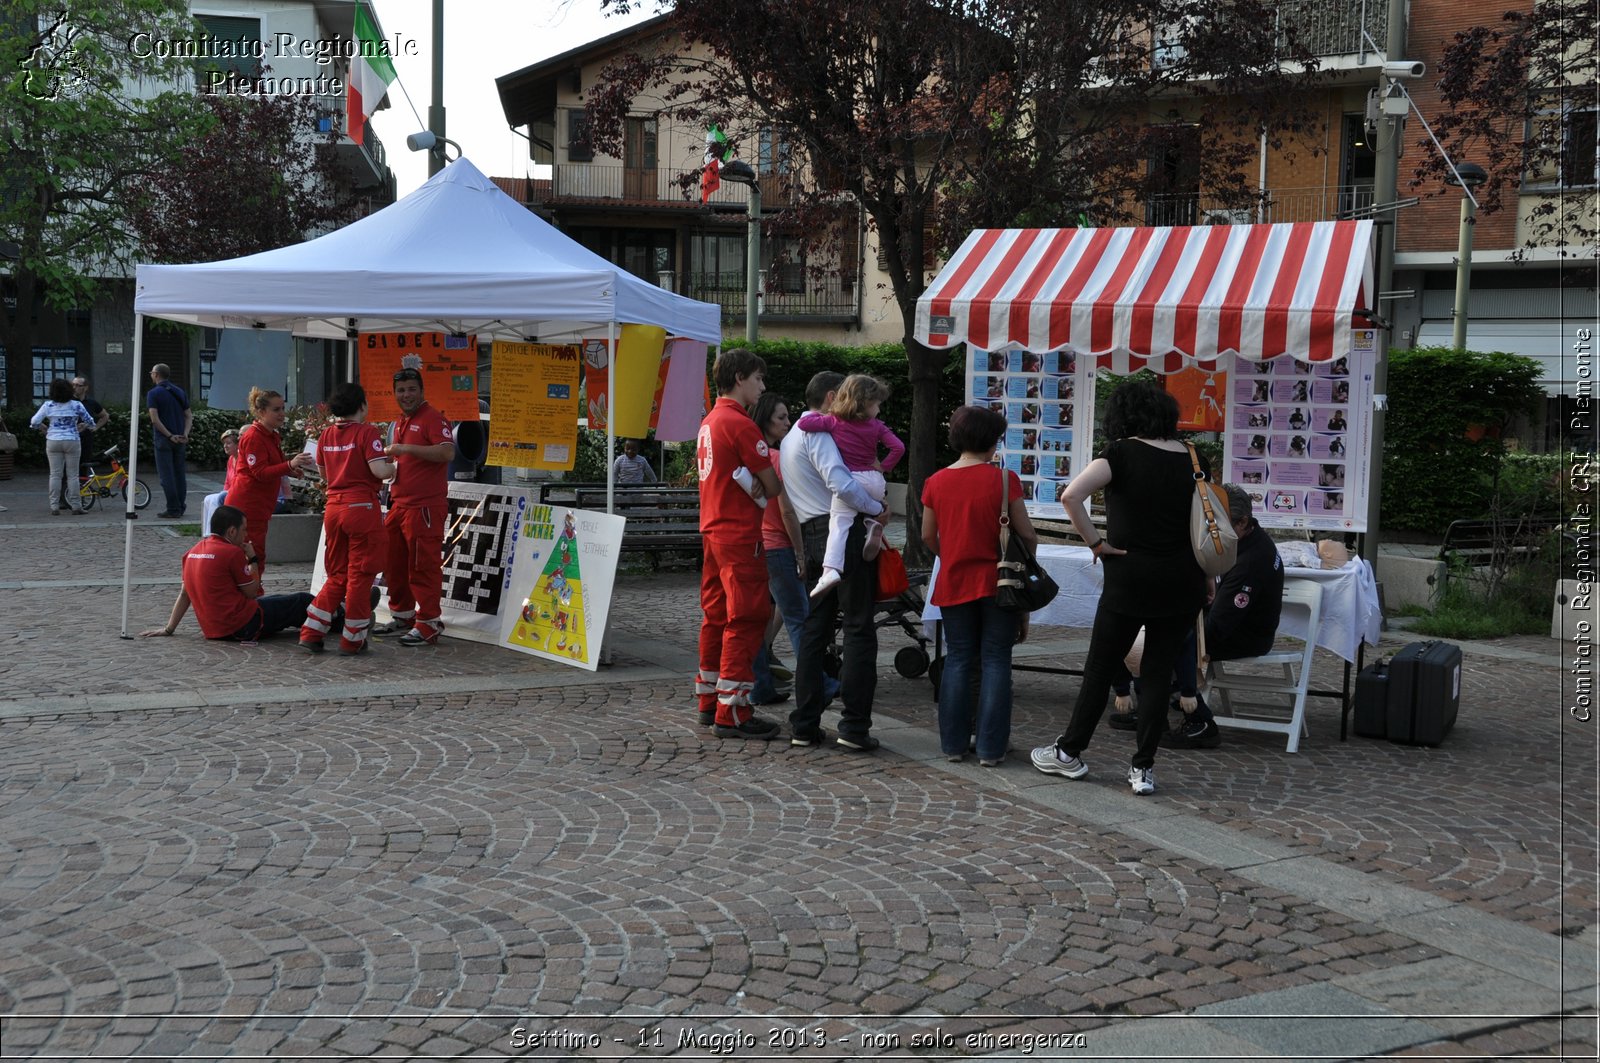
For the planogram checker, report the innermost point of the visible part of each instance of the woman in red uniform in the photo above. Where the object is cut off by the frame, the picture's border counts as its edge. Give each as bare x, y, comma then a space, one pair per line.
350, 452
258, 469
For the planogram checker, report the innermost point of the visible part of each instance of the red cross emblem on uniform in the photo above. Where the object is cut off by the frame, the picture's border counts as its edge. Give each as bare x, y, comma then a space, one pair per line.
702, 451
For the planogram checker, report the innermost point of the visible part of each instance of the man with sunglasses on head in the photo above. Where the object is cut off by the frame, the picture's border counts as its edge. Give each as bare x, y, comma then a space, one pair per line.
421, 448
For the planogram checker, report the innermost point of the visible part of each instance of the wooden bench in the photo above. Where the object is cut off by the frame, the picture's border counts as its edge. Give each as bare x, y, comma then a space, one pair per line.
660, 519
1491, 542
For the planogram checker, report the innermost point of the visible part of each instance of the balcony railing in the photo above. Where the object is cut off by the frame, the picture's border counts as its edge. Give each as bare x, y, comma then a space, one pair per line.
660, 186
1335, 28
1275, 205
826, 297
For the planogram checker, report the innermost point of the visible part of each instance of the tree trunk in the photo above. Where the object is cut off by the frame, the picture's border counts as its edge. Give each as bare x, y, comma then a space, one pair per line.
16, 336
926, 369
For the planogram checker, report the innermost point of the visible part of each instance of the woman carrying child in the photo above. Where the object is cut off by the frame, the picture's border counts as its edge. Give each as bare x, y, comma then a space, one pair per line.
853, 423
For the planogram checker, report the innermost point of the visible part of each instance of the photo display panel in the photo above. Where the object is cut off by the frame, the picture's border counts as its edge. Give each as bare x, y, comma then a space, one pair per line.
1043, 397
1298, 440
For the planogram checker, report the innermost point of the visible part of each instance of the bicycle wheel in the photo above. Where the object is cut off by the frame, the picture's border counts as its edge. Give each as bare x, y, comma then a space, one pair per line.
141, 494
89, 495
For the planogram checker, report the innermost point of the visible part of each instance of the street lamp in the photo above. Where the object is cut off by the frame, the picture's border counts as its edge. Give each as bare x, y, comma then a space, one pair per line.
1467, 177
434, 145
740, 173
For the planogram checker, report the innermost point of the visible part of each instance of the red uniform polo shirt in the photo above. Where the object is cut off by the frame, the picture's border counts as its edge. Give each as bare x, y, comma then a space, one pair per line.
728, 439
213, 571
343, 450
419, 482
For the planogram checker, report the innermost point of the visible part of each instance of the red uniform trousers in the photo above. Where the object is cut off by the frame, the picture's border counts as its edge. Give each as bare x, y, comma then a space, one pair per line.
353, 556
737, 605
256, 532
414, 570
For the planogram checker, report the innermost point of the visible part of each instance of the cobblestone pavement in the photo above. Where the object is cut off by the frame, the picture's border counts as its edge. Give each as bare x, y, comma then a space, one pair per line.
210, 851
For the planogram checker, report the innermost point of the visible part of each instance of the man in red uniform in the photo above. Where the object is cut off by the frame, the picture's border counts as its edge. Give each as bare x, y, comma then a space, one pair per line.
221, 579
733, 576
350, 452
421, 449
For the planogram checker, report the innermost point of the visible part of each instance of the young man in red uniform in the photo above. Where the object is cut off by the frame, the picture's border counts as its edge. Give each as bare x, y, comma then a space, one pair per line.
421, 450
350, 452
222, 580
733, 576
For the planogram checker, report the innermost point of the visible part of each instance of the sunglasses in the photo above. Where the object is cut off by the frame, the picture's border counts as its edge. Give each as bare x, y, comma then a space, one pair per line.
408, 374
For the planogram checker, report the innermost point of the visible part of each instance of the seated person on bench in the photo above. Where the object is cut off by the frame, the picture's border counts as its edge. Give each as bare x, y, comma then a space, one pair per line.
1241, 621
221, 581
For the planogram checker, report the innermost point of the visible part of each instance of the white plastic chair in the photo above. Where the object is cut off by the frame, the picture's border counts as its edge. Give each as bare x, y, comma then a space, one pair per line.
1275, 703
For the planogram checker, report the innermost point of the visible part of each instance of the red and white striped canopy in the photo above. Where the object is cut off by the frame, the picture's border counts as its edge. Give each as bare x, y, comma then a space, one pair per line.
1174, 296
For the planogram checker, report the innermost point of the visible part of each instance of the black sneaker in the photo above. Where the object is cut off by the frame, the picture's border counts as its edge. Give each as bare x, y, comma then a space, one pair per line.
754, 728
857, 743
311, 645
708, 717
814, 738
1194, 734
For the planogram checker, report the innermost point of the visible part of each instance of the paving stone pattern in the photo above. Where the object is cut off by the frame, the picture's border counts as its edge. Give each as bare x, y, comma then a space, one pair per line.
483, 843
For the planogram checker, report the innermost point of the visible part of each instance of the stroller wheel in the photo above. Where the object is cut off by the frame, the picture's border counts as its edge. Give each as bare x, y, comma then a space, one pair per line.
911, 661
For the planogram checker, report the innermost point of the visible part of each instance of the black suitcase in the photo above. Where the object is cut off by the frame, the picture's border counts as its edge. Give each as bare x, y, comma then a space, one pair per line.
1372, 700
1424, 692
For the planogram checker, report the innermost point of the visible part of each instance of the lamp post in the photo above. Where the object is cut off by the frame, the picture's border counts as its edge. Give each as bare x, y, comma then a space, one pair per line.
740, 173
436, 107
435, 146
1471, 176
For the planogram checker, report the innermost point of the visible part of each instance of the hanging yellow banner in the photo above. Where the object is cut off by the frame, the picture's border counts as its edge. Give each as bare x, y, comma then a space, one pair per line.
533, 405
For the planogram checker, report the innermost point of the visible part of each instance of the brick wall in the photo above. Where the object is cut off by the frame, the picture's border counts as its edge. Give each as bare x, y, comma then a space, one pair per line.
1434, 224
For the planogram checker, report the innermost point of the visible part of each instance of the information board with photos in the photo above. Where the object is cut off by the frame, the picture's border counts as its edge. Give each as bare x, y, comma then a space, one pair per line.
1043, 397
1298, 440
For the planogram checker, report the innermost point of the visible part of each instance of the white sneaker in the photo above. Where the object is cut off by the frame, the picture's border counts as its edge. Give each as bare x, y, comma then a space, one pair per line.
874, 544
1052, 761
826, 582
1142, 780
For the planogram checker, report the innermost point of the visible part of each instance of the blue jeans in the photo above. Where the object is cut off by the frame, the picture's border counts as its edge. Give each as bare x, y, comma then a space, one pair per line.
174, 473
978, 639
794, 605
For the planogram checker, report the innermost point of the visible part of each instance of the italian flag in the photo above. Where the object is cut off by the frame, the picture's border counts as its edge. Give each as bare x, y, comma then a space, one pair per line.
718, 151
371, 71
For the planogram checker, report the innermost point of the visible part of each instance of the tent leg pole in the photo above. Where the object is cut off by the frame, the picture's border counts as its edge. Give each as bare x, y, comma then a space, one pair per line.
611, 417
129, 516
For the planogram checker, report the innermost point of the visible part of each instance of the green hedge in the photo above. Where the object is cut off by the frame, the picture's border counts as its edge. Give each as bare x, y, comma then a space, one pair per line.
790, 366
205, 443
1433, 472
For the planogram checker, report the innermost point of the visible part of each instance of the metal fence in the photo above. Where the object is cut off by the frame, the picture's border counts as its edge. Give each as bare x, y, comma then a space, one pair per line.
1335, 29
1275, 205
820, 297
586, 180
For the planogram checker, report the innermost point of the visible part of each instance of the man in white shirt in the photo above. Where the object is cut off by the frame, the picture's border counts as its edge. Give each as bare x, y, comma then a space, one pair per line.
630, 467
813, 473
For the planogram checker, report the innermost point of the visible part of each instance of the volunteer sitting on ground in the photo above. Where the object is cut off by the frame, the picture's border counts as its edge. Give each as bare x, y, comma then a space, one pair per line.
1241, 621
221, 581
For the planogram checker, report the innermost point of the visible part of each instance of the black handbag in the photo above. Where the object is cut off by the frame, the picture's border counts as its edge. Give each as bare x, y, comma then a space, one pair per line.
1021, 586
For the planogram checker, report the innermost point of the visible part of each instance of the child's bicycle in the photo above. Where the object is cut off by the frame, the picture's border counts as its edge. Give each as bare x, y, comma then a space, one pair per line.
96, 486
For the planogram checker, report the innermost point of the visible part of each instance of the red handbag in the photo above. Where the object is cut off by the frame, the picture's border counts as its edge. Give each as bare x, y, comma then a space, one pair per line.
892, 578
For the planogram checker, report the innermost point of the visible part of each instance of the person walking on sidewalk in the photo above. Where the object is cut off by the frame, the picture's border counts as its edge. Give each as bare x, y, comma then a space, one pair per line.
730, 452
63, 420
421, 449
813, 473
170, 421
350, 452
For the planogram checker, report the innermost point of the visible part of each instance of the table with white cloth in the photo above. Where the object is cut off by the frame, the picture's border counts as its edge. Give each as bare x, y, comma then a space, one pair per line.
1350, 613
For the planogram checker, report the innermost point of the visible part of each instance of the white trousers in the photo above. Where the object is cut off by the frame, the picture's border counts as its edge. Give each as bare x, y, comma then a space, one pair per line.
841, 516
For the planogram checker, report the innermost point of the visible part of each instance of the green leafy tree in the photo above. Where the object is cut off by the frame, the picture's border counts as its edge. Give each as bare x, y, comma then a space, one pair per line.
87, 113
938, 116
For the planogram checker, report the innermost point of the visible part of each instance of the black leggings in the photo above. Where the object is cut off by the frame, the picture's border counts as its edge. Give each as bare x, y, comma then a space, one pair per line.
1109, 643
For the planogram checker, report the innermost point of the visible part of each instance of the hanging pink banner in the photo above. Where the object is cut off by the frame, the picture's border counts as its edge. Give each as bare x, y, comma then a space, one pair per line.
683, 398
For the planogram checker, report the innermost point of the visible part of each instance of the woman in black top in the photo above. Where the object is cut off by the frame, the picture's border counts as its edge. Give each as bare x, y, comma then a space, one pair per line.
1151, 577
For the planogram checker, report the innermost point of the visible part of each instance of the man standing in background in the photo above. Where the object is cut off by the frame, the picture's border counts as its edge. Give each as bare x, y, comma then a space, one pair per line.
170, 421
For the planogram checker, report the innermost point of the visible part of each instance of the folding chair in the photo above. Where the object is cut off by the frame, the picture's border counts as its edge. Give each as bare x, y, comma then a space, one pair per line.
1274, 703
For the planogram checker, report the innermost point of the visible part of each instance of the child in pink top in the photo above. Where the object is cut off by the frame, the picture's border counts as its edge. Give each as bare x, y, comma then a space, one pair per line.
856, 430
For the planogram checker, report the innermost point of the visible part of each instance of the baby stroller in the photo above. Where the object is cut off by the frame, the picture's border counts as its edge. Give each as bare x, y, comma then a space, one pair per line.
904, 611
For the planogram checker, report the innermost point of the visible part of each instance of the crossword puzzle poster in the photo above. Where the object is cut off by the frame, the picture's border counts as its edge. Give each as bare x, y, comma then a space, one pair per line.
559, 594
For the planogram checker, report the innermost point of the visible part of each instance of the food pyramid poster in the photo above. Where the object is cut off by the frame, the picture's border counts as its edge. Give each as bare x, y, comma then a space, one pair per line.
561, 587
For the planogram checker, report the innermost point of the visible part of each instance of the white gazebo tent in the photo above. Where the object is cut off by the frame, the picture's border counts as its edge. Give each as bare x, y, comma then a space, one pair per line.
458, 255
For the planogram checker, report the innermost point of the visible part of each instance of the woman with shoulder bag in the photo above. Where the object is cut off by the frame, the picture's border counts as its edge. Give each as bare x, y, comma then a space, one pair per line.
1152, 579
961, 524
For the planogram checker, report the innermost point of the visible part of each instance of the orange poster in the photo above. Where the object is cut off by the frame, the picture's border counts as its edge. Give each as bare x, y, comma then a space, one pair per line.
1201, 395
449, 367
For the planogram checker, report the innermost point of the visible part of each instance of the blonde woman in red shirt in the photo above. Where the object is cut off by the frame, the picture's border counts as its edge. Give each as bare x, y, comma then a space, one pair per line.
961, 523
257, 470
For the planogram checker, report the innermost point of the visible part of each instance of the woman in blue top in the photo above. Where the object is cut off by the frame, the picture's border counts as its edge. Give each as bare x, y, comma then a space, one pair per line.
63, 418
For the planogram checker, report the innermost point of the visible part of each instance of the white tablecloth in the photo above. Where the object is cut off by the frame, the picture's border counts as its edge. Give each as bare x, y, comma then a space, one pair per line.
1350, 613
